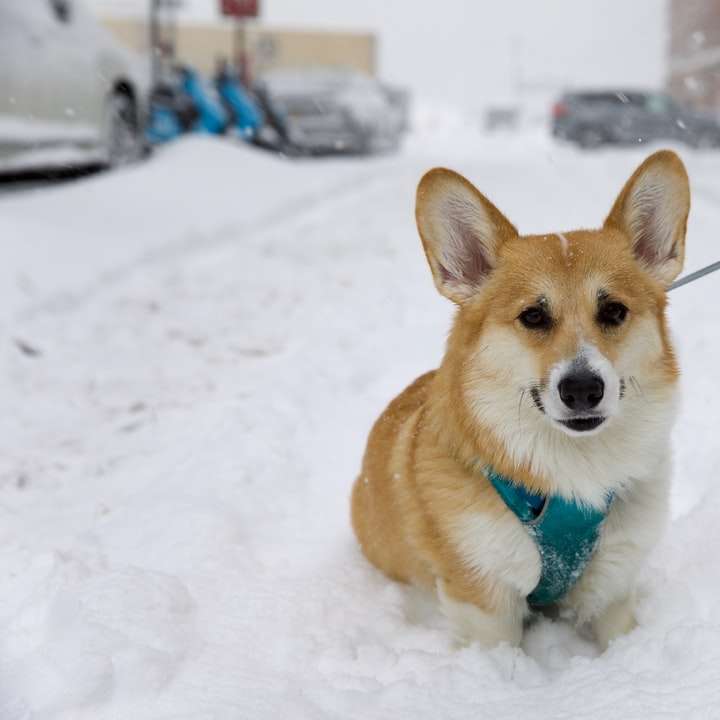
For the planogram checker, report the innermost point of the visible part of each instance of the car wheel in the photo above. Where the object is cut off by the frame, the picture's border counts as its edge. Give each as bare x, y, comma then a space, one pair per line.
123, 142
590, 138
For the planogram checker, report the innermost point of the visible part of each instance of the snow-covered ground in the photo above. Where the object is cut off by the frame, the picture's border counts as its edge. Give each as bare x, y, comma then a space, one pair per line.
193, 351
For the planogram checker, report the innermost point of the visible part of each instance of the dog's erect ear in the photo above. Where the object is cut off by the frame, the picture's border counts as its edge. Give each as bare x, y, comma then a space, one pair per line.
461, 232
652, 210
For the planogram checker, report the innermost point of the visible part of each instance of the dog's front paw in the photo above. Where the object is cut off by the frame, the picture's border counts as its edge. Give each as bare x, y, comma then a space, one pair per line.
471, 624
616, 620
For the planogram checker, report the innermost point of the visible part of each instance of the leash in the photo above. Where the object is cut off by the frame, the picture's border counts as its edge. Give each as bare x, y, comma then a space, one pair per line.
695, 275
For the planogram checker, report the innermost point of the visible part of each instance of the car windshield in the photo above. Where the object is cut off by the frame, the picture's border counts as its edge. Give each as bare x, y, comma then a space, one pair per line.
305, 105
660, 103
618, 97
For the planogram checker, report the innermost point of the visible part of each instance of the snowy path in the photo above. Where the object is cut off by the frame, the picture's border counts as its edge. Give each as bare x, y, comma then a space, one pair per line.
217, 330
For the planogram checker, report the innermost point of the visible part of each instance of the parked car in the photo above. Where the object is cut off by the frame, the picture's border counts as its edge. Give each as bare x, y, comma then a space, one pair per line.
328, 110
399, 99
69, 94
595, 118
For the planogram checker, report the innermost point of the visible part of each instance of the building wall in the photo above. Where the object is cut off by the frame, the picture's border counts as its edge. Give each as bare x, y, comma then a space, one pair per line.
694, 67
286, 48
202, 44
694, 24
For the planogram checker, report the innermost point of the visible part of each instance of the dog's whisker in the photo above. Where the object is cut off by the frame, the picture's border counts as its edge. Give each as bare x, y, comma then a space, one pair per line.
536, 389
636, 386
520, 402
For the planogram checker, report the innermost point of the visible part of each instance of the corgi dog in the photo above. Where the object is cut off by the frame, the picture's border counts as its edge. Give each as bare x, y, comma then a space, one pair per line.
559, 377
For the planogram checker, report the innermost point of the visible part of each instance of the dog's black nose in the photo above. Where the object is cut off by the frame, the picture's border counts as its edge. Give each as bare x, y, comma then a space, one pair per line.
582, 390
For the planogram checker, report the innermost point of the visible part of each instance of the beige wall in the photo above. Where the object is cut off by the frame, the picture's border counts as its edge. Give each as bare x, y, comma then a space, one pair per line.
200, 46
286, 48
131, 33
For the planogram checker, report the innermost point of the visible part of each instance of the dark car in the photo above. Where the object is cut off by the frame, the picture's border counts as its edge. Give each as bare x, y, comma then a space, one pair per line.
591, 119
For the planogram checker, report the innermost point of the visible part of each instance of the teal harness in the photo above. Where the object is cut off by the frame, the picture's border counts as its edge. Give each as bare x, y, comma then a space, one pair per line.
565, 532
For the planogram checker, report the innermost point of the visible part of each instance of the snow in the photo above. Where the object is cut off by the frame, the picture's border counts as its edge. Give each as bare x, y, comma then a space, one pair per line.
195, 349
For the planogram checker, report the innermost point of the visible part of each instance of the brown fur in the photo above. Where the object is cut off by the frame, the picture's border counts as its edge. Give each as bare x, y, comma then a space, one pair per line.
422, 464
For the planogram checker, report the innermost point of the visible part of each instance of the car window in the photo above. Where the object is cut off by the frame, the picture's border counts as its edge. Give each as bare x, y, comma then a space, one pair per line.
632, 99
299, 105
658, 103
608, 98
600, 98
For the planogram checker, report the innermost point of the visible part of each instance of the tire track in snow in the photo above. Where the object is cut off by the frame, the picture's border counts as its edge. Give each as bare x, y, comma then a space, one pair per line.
64, 302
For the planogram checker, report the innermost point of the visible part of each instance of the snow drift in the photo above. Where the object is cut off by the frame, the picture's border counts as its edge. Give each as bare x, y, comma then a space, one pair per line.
194, 351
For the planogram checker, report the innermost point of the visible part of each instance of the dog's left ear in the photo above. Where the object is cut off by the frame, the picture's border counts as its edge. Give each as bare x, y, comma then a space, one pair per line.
652, 211
461, 231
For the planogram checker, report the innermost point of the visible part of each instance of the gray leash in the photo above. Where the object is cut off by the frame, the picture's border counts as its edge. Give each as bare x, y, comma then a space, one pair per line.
695, 275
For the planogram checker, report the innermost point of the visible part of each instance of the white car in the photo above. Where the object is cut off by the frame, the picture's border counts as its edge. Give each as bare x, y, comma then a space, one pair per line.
69, 94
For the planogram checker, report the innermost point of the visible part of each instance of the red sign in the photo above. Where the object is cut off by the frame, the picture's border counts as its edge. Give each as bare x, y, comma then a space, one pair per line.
240, 8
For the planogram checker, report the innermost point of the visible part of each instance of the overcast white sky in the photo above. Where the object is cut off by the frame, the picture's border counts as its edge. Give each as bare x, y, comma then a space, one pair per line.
471, 52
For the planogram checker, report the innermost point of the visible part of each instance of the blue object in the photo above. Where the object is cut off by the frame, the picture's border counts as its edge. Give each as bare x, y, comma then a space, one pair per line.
163, 125
246, 116
566, 534
184, 102
212, 116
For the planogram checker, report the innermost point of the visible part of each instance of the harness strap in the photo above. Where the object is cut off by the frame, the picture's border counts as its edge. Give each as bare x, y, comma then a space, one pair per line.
566, 534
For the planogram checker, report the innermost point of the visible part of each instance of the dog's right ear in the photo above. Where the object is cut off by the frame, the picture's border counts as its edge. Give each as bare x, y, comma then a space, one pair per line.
461, 231
652, 211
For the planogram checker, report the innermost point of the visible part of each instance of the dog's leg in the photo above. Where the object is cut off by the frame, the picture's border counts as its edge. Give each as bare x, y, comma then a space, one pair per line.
616, 620
604, 595
472, 623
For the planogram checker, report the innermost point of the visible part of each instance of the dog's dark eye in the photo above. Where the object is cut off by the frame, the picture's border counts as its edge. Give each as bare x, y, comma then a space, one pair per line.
535, 318
612, 314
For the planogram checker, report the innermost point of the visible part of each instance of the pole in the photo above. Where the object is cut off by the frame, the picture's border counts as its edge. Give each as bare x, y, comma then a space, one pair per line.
173, 27
155, 42
240, 52
235, 53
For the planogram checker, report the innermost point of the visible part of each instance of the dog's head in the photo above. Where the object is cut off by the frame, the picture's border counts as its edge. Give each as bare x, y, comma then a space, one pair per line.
565, 331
